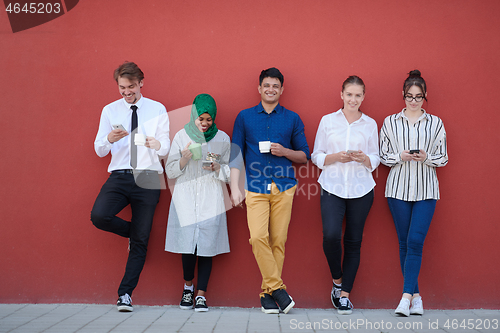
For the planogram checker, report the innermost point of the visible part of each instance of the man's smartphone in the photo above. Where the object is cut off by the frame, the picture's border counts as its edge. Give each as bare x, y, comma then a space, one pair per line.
206, 163
414, 151
119, 126
351, 151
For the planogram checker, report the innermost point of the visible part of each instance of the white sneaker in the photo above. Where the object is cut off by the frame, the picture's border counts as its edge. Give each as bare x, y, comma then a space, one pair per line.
403, 307
417, 307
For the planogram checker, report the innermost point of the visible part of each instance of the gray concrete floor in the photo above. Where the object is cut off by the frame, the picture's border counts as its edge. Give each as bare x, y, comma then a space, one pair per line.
105, 318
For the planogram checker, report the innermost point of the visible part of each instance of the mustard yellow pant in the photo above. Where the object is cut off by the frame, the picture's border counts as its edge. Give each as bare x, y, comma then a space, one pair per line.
268, 218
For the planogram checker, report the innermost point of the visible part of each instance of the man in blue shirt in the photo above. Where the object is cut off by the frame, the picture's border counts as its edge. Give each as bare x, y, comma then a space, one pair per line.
270, 182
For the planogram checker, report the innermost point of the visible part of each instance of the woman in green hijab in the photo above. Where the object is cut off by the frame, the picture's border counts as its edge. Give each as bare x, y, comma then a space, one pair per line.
197, 227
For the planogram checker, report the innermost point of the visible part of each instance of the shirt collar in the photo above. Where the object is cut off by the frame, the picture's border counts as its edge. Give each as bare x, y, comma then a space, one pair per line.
363, 117
138, 104
278, 108
402, 115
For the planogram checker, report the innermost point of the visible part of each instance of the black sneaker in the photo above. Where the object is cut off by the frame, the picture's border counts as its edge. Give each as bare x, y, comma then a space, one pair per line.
268, 304
284, 301
124, 303
345, 307
187, 300
335, 296
201, 304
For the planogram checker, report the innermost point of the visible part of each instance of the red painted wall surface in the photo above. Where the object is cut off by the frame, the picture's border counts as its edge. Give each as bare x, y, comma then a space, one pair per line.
56, 78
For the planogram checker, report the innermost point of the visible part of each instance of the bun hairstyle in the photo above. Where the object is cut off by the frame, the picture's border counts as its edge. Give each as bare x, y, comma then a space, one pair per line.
353, 79
415, 79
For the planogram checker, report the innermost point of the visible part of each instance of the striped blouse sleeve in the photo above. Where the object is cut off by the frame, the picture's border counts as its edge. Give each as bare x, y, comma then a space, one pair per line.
389, 151
437, 153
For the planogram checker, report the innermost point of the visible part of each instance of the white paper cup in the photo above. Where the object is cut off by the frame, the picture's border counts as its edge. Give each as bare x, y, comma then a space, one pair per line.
265, 146
139, 139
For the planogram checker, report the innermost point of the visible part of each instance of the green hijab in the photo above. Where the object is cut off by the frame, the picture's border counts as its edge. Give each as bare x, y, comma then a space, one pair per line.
203, 103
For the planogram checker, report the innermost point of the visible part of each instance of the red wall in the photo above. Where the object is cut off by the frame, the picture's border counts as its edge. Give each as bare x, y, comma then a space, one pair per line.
56, 78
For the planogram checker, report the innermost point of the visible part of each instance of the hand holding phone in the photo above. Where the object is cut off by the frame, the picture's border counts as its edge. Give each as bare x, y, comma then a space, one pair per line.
114, 135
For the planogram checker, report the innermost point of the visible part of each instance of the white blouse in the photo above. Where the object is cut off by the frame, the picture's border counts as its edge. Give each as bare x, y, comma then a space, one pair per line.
197, 215
413, 180
352, 179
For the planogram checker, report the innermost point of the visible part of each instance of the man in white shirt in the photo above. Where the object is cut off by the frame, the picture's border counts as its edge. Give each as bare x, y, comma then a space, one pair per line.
134, 169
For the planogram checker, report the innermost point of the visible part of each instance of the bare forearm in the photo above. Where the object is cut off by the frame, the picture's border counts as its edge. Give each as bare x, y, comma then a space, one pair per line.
296, 156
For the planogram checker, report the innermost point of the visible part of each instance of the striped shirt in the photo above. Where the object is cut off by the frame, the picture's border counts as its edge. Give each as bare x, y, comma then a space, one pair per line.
413, 180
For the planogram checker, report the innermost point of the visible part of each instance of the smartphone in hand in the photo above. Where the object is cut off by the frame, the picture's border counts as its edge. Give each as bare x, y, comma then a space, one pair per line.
119, 126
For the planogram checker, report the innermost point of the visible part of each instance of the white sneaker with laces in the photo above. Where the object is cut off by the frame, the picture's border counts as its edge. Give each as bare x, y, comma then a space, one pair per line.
417, 307
403, 307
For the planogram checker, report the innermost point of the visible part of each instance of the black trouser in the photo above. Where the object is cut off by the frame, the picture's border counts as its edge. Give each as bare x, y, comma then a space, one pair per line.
119, 191
333, 210
204, 269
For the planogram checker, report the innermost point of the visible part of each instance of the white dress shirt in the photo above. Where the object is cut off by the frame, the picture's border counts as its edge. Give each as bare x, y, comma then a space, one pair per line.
352, 179
197, 214
152, 121
413, 180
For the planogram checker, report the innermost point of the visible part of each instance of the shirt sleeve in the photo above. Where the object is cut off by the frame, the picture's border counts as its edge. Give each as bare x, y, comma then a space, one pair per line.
388, 154
172, 167
372, 149
320, 146
299, 141
224, 173
101, 144
162, 133
437, 156
238, 144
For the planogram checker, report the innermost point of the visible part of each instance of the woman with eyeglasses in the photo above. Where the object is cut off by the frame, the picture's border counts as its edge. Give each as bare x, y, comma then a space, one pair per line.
413, 144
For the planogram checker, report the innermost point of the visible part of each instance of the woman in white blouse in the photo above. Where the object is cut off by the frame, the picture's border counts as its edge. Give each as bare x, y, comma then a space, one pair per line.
346, 150
197, 217
413, 144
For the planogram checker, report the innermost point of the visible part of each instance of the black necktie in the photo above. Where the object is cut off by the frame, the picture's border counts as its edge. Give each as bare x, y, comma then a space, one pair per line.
133, 147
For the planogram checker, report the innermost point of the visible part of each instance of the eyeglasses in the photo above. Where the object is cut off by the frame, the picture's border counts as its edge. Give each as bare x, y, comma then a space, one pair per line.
417, 98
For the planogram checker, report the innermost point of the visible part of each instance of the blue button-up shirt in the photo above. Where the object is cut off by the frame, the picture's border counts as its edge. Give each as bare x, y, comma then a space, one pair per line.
280, 126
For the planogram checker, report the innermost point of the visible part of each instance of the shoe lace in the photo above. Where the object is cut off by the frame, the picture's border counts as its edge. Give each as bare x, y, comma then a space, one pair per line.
187, 297
126, 299
200, 301
344, 301
416, 302
336, 292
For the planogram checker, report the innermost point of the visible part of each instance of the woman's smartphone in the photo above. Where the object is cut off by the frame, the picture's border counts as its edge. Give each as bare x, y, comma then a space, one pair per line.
414, 151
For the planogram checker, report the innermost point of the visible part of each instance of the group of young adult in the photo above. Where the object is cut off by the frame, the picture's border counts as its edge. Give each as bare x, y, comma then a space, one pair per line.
266, 140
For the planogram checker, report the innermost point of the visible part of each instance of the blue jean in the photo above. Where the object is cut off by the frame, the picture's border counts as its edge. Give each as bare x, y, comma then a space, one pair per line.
412, 220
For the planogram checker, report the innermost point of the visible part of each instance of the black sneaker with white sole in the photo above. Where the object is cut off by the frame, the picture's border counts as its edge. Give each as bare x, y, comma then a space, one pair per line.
345, 307
268, 305
187, 299
284, 301
335, 296
201, 304
124, 303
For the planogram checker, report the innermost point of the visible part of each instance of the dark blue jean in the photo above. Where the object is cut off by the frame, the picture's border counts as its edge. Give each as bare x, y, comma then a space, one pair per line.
412, 220
333, 211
